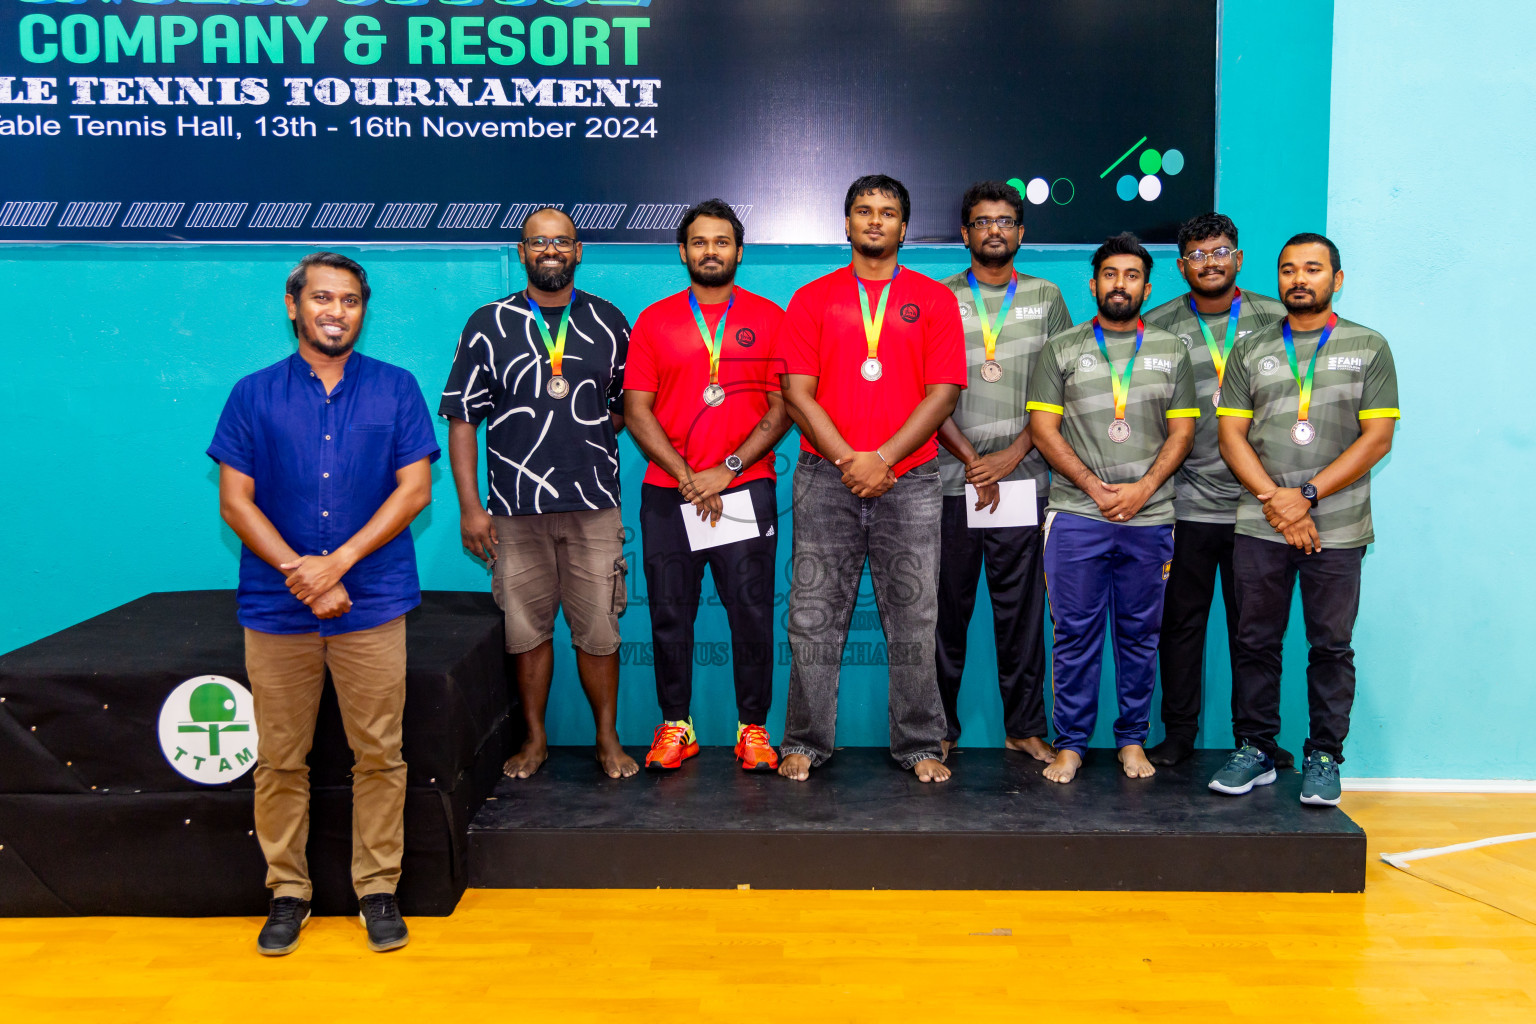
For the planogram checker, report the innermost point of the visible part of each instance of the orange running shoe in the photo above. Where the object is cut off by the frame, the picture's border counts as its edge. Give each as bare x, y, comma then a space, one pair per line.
673, 744
754, 750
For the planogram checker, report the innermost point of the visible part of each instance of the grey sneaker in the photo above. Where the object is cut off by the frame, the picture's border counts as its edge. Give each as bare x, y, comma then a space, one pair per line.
1320, 780
380, 914
280, 934
1247, 767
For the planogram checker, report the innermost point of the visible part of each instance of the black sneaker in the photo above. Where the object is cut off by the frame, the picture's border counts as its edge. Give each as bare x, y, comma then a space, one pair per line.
380, 914
1284, 759
280, 935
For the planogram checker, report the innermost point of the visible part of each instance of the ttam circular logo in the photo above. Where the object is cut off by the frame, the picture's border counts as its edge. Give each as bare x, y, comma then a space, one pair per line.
1268, 365
208, 730
1087, 363
746, 337
910, 312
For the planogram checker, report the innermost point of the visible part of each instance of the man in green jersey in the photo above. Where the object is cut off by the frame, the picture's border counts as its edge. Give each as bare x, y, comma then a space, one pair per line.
1209, 319
1007, 317
1308, 407
1112, 409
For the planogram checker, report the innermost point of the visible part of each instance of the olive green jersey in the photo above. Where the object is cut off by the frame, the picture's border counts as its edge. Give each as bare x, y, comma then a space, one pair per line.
1072, 380
1204, 489
1355, 380
991, 415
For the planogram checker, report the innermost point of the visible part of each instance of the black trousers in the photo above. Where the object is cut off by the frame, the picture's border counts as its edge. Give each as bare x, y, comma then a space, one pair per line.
1016, 582
1266, 574
1199, 550
744, 577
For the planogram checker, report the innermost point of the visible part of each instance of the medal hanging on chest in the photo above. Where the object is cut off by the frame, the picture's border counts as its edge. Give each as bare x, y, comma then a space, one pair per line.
1219, 353
1120, 429
871, 369
1302, 431
991, 369
714, 394
557, 387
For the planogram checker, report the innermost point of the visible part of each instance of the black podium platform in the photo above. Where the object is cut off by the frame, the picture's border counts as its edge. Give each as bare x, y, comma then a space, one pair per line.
94, 820
861, 822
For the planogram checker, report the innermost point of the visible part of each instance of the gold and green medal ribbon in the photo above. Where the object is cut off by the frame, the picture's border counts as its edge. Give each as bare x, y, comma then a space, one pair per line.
1121, 384
1304, 384
712, 345
991, 328
554, 346
1219, 353
873, 325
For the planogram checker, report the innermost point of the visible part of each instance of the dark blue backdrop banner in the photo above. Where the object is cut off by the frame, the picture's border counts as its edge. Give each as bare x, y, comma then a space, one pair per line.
329, 121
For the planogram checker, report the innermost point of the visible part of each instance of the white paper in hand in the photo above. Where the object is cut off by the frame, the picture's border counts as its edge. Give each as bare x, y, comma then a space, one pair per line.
738, 522
1016, 506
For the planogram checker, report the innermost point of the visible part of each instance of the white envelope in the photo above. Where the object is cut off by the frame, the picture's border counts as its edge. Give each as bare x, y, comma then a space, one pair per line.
739, 522
1016, 506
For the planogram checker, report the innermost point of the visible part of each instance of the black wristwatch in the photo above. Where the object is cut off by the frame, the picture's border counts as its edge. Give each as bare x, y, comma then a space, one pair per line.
1310, 493
733, 463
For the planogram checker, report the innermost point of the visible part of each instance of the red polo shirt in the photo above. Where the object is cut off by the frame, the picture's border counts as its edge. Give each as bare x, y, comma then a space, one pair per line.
922, 343
667, 356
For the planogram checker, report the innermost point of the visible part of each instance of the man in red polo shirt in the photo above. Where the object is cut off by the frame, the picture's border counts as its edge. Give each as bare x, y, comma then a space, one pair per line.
875, 359
701, 399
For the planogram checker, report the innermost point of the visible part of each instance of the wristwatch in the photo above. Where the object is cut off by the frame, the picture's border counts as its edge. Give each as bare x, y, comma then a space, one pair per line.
733, 463
1307, 491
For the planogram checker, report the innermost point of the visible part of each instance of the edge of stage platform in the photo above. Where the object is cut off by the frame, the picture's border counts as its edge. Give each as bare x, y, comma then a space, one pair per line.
861, 823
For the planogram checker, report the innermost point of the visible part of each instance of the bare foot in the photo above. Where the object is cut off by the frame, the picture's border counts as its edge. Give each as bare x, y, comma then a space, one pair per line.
616, 764
1135, 762
526, 761
1063, 768
1034, 746
945, 746
929, 770
795, 766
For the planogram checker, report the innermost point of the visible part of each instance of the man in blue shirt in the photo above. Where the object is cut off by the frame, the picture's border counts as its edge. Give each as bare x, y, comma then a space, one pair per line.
324, 460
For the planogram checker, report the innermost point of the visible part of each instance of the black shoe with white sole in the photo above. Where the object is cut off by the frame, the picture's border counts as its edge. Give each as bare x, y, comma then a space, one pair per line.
380, 914
280, 935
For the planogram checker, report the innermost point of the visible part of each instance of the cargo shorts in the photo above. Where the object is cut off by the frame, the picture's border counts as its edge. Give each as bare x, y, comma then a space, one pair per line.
569, 560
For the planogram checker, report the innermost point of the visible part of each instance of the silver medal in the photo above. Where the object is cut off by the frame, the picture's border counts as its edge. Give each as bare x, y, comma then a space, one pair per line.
871, 369
1303, 432
714, 395
991, 371
1216, 398
558, 387
1119, 431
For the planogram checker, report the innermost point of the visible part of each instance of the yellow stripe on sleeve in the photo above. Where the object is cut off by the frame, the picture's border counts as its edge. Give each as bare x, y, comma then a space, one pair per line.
1043, 407
1380, 414
1246, 414
1182, 414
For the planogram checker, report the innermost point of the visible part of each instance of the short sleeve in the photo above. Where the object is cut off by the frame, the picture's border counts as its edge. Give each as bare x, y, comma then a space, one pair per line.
944, 349
1047, 387
1059, 318
640, 368
1236, 400
233, 442
472, 389
1184, 404
773, 321
797, 343
1378, 393
414, 436
620, 358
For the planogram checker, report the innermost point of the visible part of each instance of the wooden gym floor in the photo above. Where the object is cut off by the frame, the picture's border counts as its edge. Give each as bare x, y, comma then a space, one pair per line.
1404, 951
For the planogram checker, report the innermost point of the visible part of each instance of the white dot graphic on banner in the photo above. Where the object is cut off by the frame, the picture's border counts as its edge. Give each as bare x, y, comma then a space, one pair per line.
1150, 188
1038, 191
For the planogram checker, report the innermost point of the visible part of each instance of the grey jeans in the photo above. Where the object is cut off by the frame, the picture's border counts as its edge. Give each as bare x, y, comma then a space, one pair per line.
835, 533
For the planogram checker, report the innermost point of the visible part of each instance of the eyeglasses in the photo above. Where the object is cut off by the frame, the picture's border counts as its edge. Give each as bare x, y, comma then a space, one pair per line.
538, 243
1199, 256
1001, 223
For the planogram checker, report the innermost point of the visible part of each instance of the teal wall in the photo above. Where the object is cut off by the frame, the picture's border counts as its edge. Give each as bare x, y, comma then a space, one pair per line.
118, 360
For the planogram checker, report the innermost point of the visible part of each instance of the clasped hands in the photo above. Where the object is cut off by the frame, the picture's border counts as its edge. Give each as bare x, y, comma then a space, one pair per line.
703, 490
866, 474
983, 473
1291, 516
316, 580
1119, 503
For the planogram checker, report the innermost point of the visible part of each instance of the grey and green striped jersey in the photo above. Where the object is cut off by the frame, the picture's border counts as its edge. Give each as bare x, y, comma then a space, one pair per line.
1204, 489
1355, 380
1072, 380
992, 415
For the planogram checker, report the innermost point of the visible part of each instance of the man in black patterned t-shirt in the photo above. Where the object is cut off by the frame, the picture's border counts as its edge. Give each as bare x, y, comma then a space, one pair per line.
545, 368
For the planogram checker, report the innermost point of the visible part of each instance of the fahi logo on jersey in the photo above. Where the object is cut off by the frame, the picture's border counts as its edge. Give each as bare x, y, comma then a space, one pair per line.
1157, 363
208, 730
1029, 312
1352, 364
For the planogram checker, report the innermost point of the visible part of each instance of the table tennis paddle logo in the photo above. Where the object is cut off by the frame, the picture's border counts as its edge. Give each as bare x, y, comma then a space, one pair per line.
208, 729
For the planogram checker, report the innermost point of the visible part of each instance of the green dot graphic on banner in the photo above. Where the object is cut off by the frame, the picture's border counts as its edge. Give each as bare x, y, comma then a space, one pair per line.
207, 729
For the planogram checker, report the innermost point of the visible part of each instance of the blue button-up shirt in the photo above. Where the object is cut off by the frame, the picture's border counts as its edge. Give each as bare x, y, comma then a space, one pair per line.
323, 464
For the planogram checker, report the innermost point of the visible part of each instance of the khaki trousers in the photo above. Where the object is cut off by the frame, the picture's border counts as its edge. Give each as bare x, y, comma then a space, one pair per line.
287, 674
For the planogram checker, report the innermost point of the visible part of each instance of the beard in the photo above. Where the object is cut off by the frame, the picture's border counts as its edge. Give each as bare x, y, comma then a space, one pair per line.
994, 256
713, 274
873, 250
323, 344
1212, 288
551, 279
1313, 303
1118, 305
